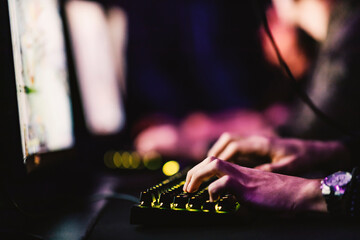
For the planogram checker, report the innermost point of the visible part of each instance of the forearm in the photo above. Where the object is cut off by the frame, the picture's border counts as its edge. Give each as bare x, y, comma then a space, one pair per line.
309, 197
331, 155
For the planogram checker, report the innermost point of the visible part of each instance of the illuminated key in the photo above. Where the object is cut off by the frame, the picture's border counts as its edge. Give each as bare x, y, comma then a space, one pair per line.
166, 199
146, 199
181, 200
226, 204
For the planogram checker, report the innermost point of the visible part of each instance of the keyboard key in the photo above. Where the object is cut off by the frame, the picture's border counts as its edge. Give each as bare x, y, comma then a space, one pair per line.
208, 206
181, 200
166, 199
146, 199
169, 195
227, 203
194, 203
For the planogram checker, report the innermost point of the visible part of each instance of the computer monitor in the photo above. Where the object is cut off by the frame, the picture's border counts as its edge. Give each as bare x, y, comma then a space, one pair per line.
36, 104
41, 76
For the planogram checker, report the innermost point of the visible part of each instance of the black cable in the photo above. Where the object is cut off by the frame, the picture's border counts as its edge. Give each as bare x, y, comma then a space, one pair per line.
294, 83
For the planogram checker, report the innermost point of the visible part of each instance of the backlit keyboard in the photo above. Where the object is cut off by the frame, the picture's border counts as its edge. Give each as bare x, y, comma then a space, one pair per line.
168, 202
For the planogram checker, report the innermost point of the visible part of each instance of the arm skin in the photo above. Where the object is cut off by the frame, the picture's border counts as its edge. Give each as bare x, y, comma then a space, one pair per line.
264, 190
288, 156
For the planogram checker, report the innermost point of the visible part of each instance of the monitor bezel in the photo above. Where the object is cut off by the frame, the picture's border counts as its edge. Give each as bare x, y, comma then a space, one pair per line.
13, 165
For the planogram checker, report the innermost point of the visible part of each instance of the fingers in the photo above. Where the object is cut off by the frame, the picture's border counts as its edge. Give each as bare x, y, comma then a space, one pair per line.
229, 151
222, 185
220, 144
227, 146
194, 169
282, 166
255, 145
202, 172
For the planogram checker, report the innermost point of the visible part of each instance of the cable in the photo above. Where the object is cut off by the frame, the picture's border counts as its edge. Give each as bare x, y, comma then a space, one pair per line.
294, 83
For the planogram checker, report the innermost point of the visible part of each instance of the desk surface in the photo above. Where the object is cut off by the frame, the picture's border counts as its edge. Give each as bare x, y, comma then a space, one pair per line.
109, 219
114, 224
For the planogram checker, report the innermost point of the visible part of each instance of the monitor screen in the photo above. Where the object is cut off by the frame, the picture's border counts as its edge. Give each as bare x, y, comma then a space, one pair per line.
41, 76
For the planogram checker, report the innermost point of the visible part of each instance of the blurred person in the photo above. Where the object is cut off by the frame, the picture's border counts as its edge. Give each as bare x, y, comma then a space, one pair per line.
263, 187
335, 24
332, 87
191, 136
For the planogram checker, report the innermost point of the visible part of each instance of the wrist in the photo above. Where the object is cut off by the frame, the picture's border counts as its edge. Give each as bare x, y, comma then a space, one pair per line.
309, 197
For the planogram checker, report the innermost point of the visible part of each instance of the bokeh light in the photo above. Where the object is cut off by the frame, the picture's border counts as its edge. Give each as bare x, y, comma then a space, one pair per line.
117, 159
132, 160
125, 159
170, 168
108, 159
136, 160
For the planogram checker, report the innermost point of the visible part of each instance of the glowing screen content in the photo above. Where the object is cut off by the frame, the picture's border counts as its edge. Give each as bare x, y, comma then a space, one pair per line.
41, 76
98, 40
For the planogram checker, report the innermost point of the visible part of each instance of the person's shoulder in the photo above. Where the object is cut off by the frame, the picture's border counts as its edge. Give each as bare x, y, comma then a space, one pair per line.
344, 27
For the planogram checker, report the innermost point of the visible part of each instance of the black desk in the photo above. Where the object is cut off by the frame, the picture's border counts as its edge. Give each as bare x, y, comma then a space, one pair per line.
109, 219
114, 224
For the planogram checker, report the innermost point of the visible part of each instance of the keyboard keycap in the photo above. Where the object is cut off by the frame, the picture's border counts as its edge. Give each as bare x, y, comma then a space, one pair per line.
208, 206
146, 199
226, 204
181, 200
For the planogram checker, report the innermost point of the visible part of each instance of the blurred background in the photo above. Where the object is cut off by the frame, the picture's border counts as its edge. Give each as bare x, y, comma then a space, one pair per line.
175, 75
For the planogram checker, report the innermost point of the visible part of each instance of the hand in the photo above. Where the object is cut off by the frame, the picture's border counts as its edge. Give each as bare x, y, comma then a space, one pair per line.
163, 139
257, 188
170, 141
289, 156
